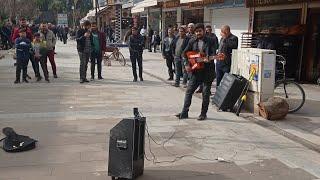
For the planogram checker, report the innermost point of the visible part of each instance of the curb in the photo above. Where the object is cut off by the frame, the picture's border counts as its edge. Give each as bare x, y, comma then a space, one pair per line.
259, 121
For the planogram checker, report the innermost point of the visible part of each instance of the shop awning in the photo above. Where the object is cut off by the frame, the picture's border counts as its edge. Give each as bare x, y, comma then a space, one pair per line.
149, 3
188, 1
137, 8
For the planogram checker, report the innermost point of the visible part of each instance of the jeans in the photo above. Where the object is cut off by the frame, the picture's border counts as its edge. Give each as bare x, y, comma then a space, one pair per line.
96, 58
170, 65
22, 65
180, 71
220, 71
35, 65
50, 56
43, 63
136, 57
84, 59
194, 83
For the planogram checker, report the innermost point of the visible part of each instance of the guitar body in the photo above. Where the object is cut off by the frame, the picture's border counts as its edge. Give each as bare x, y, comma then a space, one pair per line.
195, 60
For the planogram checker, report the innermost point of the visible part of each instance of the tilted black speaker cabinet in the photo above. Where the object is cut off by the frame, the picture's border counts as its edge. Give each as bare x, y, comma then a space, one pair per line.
229, 91
126, 148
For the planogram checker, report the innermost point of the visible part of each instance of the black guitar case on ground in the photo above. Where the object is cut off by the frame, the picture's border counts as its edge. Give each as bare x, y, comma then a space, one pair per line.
14, 142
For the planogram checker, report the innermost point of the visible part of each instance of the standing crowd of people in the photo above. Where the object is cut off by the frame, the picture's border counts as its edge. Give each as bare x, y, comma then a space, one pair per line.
176, 44
35, 47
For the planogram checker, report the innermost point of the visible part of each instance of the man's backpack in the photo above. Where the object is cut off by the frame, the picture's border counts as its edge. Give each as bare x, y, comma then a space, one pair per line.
14, 142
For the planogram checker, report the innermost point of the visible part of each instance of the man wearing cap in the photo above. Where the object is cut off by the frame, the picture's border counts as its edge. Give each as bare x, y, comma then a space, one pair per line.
201, 44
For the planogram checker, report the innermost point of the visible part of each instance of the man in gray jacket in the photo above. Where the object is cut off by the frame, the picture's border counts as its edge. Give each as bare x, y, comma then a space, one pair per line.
48, 36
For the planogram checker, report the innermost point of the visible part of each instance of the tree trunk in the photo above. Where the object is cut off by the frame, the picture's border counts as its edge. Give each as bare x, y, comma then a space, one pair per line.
274, 109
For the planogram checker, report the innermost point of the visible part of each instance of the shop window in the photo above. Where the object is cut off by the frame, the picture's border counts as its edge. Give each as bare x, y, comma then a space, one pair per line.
193, 16
170, 18
266, 20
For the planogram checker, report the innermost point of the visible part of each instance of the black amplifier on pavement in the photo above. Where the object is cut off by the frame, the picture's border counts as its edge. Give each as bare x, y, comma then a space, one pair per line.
126, 148
229, 91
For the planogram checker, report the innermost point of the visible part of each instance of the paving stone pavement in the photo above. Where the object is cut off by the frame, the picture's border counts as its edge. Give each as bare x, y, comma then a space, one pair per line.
72, 123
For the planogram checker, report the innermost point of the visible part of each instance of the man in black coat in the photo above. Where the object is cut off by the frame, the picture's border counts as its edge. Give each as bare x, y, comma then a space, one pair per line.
136, 45
205, 76
84, 45
228, 42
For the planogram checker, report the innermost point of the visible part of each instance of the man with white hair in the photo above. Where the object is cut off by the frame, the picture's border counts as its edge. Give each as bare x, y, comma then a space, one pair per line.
190, 30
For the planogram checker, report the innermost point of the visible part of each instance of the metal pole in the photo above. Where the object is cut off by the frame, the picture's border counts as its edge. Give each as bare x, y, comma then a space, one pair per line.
96, 11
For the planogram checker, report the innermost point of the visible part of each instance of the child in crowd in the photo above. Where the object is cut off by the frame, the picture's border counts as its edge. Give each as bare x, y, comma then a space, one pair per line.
40, 51
23, 46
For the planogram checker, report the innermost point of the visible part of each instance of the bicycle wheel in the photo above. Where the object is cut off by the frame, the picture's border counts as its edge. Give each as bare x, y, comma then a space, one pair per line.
120, 58
292, 92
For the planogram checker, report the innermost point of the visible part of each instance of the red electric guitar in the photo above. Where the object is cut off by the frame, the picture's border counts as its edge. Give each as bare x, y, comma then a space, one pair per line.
198, 59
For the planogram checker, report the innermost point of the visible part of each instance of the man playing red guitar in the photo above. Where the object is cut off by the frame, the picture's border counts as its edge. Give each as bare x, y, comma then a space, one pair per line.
204, 45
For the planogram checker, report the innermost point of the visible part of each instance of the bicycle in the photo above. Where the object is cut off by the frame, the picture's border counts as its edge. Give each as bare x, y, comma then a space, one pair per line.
288, 89
115, 55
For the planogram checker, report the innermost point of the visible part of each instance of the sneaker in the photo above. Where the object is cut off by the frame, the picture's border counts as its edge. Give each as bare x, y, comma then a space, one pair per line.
39, 78
202, 117
55, 76
182, 116
92, 79
47, 79
141, 79
134, 80
86, 80
82, 81
100, 78
17, 81
170, 79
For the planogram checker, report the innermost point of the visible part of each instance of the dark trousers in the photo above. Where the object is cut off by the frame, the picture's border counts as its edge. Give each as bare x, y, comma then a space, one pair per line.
136, 57
96, 58
220, 71
192, 86
180, 71
35, 65
43, 64
84, 59
22, 65
50, 56
150, 43
170, 65
155, 46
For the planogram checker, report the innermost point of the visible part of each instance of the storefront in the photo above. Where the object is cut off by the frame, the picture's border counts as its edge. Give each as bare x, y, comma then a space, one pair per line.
170, 18
194, 15
236, 17
292, 28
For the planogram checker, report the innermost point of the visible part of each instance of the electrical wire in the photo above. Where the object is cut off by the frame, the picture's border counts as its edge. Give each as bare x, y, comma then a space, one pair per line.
176, 158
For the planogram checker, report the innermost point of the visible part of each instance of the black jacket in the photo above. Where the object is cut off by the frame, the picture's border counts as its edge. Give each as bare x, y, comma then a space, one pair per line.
226, 47
184, 44
208, 73
166, 44
136, 43
81, 39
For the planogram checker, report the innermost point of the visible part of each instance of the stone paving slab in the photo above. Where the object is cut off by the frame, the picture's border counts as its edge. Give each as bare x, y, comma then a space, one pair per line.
72, 123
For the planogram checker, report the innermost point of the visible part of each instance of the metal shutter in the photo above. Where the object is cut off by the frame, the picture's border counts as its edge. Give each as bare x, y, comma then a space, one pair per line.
236, 18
